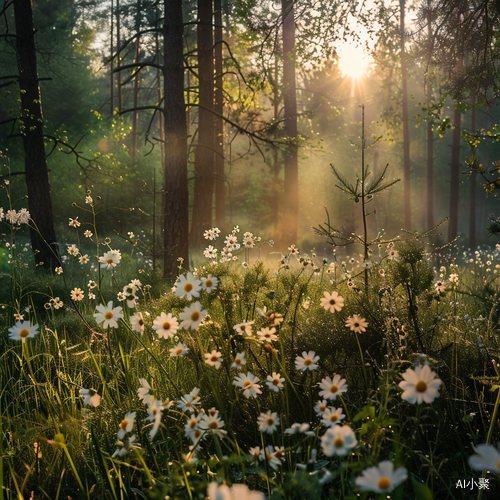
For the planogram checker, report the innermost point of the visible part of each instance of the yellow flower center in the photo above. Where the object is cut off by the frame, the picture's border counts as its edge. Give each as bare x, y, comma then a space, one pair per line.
270, 421
334, 389
308, 361
123, 424
383, 483
197, 433
188, 287
24, 333
110, 261
339, 442
141, 322
166, 325
178, 351
322, 408
237, 361
213, 424
108, 315
195, 316
153, 410
214, 358
333, 418
356, 325
208, 283
332, 302
421, 386
247, 383
276, 381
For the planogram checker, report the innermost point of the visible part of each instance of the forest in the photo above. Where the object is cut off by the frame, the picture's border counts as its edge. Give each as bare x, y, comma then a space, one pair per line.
249, 249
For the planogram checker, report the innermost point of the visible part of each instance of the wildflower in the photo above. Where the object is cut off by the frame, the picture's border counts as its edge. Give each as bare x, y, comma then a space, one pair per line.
192, 316
213, 359
209, 284
110, 259
125, 446
382, 479
275, 382
248, 383
268, 422
91, 284
453, 279
192, 428
84, 259
188, 401
271, 457
213, 423
22, 330
487, 458
88, 199
144, 392
356, 323
307, 361
154, 415
126, 424
392, 254
87, 233
239, 360
91, 296
381, 272
23, 216
321, 407
332, 416
248, 241
74, 222
137, 322
244, 328
179, 350
267, 334
72, 250
293, 250
58, 270
165, 325
300, 429
18, 317
254, 453
210, 252
108, 315
440, 288
90, 397
420, 385
188, 286
332, 387
338, 440
236, 492
77, 294
306, 304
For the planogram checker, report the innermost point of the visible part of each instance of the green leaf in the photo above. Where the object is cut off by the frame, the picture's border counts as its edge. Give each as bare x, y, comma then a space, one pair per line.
422, 492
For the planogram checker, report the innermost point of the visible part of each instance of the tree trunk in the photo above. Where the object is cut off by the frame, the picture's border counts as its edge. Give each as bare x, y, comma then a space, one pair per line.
455, 174
406, 133
204, 157
290, 156
43, 241
430, 139
220, 199
275, 200
472, 181
119, 58
112, 81
176, 217
135, 114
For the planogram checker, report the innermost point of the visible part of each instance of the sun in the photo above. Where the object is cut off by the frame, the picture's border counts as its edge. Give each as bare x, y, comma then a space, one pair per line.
353, 62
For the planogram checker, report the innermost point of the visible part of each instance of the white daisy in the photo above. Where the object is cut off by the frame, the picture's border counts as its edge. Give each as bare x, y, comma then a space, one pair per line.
382, 479
187, 285
192, 316
108, 315
268, 422
165, 325
307, 361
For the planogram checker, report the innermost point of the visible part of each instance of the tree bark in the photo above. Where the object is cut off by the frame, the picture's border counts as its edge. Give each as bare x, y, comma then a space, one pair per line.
472, 192
43, 241
204, 156
220, 199
290, 156
119, 58
135, 114
406, 133
176, 217
112, 81
430, 139
455, 175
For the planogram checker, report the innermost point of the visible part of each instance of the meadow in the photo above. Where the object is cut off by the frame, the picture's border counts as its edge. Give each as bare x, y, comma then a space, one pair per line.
294, 376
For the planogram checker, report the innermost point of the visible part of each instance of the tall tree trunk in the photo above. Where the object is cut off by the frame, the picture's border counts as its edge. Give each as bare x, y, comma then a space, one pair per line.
455, 174
430, 138
472, 192
135, 114
275, 200
43, 241
220, 199
119, 58
176, 217
204, 156
112, 81
406, 133
290, 156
